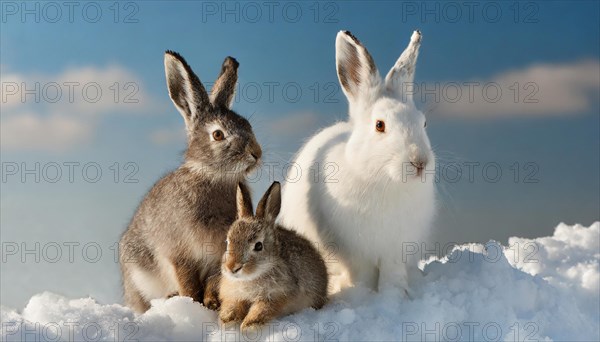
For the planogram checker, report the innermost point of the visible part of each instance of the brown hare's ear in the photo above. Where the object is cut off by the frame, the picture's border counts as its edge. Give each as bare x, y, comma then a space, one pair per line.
269, 206
356, 70
223, 90
185, 89
243, 201
402, 75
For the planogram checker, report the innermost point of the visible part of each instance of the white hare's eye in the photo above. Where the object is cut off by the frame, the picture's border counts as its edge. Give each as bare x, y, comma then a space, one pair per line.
425, 124
380, 126
218, 135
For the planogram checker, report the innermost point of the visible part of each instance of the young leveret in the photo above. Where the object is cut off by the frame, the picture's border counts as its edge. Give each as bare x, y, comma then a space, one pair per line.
174, 243
268, 271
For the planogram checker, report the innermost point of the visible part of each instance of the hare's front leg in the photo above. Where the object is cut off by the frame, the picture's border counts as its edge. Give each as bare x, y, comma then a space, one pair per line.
395, 276
262, 312
133, 296
233, 311
188, 280
211, 293
364, 273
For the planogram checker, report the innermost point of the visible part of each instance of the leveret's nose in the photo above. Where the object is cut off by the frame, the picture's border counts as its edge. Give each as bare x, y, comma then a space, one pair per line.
234, 267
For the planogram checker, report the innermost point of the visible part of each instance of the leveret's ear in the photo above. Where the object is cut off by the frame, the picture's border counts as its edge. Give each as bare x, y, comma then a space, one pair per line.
224, 89
185, 89
356, 70
269, 206
243, 201
400, 78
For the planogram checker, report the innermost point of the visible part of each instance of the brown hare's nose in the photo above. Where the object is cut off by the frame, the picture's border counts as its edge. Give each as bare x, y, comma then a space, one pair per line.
255, 150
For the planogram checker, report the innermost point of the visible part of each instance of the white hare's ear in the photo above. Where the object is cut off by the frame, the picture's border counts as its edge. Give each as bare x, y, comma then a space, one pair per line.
402, 74
269, 206
185, 89
356, 70
224, 89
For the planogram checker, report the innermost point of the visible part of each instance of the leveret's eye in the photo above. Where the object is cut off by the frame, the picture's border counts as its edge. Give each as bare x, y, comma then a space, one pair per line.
258, 246
218, 135
380, 126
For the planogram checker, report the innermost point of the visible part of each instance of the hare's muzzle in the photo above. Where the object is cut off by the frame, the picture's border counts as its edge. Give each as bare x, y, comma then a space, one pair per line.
419, 164
254, 150
234, 267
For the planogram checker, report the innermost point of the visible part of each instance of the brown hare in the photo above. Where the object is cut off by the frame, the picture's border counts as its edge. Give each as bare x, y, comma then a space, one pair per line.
268, 271
176, 238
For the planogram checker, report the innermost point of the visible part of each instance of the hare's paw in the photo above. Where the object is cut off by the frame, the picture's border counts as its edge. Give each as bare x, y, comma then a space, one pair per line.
228, 315
211, 293
261, 313
228, 319
211, 302
233, 312
252, 324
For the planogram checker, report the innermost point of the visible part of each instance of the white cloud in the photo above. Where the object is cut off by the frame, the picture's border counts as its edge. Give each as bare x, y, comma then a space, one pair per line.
304, 123
538, 90
59, 111
166, 136
29, 131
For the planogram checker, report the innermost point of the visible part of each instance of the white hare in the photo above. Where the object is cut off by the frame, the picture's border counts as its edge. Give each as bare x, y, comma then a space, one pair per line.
366, 193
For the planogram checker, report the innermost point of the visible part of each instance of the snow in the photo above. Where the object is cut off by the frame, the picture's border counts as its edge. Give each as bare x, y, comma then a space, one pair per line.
534, 289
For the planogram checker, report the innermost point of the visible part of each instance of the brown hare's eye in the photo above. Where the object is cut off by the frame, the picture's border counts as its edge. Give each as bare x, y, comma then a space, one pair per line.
380, 126
258, 246
218, 135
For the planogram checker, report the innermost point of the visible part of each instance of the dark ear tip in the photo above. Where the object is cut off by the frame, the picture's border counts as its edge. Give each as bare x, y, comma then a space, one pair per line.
172, 53
230, 61
175, 55
351, 36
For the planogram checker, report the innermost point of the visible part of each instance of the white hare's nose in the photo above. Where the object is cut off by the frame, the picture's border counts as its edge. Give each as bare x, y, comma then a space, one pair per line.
414, 153
419, 164
416, 158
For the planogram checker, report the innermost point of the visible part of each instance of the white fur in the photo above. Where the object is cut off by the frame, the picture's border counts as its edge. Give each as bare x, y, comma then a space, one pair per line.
156, 285
367, 201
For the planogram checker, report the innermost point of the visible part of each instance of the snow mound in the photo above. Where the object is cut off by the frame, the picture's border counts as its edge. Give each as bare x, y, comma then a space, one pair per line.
534, 289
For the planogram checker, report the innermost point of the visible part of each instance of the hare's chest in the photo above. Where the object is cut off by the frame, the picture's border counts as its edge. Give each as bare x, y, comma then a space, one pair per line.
252, 291
212, 210
238, 290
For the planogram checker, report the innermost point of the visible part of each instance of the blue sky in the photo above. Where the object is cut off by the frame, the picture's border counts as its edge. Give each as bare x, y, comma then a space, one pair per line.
554, 140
